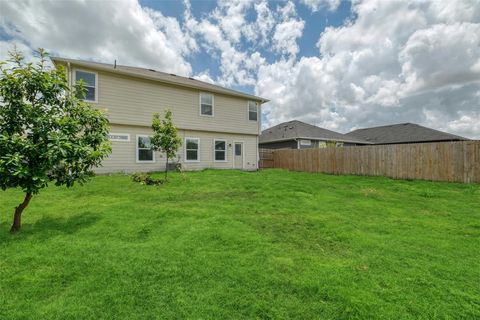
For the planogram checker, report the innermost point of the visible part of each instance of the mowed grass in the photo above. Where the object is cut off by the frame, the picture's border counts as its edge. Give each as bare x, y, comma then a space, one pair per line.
230, 245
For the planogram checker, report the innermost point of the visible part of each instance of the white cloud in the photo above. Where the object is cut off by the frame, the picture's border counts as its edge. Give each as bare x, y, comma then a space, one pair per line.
288, 30
316, 5
259, 31
225, 32
426, 52
396, 62
219, 34
467, 124
230, 15
105, 31
204, 76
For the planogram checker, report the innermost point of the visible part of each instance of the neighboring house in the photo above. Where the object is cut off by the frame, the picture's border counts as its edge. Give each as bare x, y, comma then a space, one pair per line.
402, 133
299, 135
219, 127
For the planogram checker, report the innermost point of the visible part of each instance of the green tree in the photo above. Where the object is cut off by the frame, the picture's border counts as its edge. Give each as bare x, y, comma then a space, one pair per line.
46, 133
165, 137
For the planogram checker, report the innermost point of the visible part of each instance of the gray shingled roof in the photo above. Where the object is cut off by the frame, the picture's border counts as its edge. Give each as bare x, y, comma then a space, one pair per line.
402, 133
300, 130
158, 76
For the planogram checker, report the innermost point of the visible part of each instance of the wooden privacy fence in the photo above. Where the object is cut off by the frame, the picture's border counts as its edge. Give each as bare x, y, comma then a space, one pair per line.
266, 158
440, 161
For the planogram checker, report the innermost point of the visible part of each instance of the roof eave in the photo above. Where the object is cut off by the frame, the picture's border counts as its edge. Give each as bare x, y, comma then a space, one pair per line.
318, 138
132, 74
422, 141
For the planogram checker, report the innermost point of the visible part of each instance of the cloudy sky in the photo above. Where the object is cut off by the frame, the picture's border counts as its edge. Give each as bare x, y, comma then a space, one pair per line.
337, 64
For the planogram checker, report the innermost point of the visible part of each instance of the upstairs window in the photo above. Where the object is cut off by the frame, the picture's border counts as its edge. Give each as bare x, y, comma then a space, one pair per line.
144, 149
89, 84
252, 111
220, 150
191, 149
206, 104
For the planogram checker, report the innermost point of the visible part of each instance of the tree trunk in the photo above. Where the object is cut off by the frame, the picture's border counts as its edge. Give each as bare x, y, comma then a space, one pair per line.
17, 218
166, 170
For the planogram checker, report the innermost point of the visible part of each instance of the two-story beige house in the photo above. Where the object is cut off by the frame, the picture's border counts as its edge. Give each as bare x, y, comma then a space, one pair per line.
219, 127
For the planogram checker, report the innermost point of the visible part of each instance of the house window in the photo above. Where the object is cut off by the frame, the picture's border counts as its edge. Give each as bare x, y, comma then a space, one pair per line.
192, 146
305, 142
206, 104
252, 111
238, 149
89, 84
144, 149
124, 137
220, 150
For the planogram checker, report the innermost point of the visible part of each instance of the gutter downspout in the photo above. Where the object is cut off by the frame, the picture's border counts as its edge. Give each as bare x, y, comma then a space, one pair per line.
259, 132
258, 155
69, 75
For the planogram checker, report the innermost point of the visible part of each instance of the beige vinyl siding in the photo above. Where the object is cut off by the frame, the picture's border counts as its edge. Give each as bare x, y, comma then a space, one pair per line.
207, 153
133, 101
123, 157
130, 103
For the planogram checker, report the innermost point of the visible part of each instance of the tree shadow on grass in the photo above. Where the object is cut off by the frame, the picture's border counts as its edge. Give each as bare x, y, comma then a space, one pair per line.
48, 227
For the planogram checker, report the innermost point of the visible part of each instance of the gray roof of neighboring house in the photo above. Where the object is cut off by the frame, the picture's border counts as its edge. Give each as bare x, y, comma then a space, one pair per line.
402, 133
158, 76
300, 130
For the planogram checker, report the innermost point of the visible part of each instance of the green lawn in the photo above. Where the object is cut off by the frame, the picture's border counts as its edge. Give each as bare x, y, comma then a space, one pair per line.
227, 244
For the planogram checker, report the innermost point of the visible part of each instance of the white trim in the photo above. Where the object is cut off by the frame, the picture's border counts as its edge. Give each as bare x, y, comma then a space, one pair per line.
185, 149
136, 150
200, 104
119, 134
74, 80
226, 150
243, 154
248, 110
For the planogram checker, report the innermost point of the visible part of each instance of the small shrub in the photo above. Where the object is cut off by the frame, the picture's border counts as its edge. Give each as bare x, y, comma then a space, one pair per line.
146, 179
427, 194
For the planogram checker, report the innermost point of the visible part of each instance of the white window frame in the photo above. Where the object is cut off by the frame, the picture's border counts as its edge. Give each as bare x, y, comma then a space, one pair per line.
200, 105
96, 83
185, 149
226, 150
119, 134
136, 150
248, 110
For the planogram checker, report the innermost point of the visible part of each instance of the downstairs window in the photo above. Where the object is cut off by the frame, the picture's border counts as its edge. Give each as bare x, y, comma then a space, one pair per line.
144, 149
